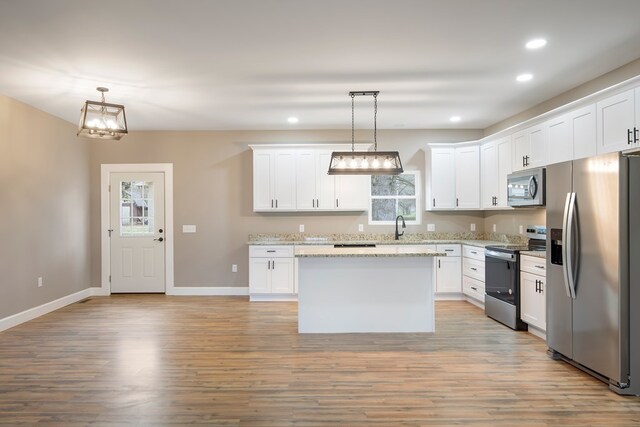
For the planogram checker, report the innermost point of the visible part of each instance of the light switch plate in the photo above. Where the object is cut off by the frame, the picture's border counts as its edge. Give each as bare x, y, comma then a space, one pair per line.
431, 227
495, 228
301, 228
234, 268
520, 230
473, 227
188, 228
361, 227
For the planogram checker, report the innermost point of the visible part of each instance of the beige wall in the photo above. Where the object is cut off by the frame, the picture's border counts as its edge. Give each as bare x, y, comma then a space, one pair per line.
44, 208
609, 79
213, 190
509, 222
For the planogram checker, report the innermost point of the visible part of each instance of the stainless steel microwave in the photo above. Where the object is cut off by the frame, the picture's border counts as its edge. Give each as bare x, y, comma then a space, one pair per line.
526, 188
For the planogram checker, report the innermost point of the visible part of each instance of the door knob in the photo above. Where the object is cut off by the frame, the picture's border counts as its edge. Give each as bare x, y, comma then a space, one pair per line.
159, 239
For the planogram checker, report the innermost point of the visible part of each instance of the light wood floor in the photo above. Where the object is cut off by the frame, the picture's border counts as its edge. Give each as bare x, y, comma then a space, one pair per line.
158, 360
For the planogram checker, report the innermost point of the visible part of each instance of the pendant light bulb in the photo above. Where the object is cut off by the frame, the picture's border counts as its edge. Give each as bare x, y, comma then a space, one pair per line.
375, 163
387, 163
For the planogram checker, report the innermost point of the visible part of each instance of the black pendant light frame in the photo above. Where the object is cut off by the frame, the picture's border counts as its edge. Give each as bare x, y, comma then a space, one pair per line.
365, 162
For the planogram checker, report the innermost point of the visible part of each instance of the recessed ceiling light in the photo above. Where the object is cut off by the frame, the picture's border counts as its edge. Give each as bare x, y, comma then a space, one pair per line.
454, 119
524, 77
292, 120
536, 43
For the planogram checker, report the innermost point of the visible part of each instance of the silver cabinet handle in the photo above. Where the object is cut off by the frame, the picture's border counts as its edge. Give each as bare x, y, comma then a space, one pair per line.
271, 251
539, 266
276, 203
448, 250
313, 202
474, 288
474, 252
474, 269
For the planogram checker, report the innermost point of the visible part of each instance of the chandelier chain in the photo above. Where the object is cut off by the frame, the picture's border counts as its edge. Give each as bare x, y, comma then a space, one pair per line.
353, 123
375, 121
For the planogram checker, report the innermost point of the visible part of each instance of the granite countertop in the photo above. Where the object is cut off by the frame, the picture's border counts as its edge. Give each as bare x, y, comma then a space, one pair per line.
537, 254
305, 251
408, 242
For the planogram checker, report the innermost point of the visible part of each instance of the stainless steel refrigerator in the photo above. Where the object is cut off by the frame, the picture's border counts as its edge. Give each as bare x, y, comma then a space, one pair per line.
593, 273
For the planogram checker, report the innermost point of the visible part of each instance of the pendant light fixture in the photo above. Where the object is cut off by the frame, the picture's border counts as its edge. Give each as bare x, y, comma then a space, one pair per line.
365, 162
102, 120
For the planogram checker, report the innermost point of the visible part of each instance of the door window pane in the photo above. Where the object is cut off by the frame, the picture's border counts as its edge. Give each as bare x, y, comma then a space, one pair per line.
136, 212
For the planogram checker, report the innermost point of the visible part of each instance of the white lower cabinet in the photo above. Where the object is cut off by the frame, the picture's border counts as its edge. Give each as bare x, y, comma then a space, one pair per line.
473, 273
271, 272
449, 269
533, 305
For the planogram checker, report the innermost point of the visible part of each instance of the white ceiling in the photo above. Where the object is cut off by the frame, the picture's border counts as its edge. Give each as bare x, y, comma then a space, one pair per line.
250, 64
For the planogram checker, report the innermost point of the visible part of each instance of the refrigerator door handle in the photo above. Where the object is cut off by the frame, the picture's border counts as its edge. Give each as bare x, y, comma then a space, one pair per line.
565, 244
568, 244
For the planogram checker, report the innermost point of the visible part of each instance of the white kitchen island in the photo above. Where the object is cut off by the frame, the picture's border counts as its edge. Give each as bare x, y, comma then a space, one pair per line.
373, 289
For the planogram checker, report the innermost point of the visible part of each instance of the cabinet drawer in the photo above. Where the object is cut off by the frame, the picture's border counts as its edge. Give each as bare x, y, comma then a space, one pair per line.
473, 268
256, 251
473, 288
450, 250
533, 265
473, 252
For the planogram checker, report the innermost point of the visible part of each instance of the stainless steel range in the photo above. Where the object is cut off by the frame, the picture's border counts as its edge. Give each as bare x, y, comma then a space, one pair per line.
502, 278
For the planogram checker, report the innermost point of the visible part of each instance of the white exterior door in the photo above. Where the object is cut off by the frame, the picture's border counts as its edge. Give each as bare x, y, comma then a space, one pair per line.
137, 241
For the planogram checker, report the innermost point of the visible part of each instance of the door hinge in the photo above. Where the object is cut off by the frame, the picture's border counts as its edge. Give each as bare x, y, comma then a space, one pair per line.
110, 230
109, 278
109, 188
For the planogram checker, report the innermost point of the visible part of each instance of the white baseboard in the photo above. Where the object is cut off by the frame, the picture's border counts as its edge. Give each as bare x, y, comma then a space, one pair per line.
273, 297
475, 302
449, 296
32, 313
208, 291
537, 332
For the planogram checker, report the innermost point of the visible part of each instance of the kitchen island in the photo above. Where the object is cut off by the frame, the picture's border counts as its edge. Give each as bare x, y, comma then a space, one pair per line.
370, 289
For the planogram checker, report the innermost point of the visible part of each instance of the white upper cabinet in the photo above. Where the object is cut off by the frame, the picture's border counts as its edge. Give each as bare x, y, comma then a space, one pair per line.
489, 170
453, 177
468, 177
530, 148
274, 180
315, 188
296, 179
573, 135
440, 178
616, 122
351, 192
496, 159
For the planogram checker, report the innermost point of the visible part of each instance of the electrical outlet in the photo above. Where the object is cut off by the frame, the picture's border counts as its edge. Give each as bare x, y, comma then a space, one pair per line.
360, 228
495, 228
473, 227
301, 228
188, 228
431, 227
234, 268
39, 282
520, 230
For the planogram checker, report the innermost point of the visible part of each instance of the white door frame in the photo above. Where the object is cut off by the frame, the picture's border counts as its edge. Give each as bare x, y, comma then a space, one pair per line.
105, 173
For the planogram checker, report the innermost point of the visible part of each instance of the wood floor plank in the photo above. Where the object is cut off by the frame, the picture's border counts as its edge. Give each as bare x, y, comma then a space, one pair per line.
171, 361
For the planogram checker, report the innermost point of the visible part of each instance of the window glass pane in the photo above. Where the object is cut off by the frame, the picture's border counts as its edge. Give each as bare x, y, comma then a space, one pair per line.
136, 219
407, 208
405, 184
383, 209
382, 185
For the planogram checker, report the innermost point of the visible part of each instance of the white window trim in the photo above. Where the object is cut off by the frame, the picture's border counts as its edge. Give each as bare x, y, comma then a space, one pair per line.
418, 197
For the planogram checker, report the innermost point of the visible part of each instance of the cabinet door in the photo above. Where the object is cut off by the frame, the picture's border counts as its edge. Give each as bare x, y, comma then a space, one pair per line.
282, 276
306, 176
532, 300
351, 192
325, 187
284, 184
262, 180
560, 141
468, 177
615, 122
584, 132
504, 148
538, 141
489, 171
448, 274
259, 275
443, 188
520, 147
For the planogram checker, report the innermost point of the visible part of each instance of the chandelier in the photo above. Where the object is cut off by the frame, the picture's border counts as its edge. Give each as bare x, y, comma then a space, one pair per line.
102, 120
365, 162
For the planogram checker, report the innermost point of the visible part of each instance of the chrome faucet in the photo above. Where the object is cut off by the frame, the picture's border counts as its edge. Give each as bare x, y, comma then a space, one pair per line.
403, 226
